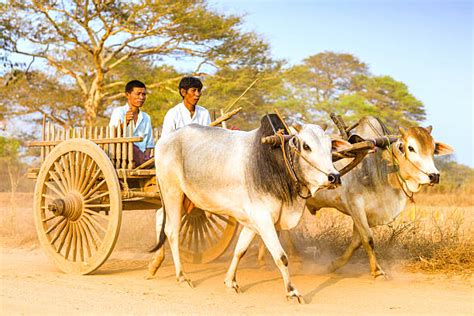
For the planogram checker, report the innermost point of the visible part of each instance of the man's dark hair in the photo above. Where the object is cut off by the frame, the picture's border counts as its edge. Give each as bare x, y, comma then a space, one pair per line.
189, 82
134, 84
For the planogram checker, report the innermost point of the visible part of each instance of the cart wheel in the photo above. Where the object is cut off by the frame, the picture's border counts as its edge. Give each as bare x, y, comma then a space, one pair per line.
204, 236
78, 206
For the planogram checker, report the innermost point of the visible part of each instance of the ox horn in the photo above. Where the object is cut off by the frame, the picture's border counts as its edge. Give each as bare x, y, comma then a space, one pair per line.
297, 126
402, 131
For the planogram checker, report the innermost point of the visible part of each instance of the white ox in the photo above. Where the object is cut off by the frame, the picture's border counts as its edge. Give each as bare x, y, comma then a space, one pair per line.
376, 191
232, 173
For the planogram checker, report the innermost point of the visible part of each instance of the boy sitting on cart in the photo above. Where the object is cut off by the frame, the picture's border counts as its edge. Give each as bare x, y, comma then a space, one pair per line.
135, 92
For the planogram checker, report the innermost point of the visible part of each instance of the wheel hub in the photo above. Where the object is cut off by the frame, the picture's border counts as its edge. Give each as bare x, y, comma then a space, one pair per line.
71, 206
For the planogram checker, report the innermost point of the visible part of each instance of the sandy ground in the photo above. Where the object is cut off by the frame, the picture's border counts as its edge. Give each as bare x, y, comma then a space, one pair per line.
31, 284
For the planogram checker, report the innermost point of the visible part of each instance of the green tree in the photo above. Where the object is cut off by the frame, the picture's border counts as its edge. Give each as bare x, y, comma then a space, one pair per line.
82, 42
330, 82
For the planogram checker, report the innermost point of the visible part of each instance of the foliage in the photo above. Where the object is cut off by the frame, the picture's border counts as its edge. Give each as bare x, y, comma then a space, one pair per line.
455, 177
330, 82
89, 50
25, 93
82, 42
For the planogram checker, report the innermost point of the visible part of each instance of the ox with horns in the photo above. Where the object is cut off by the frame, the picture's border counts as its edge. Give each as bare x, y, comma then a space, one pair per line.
233, 173
376, 191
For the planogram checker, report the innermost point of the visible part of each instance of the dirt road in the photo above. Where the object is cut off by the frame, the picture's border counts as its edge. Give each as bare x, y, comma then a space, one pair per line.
31, 284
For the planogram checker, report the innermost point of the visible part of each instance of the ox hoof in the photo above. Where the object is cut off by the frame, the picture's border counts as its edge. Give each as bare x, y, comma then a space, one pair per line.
380, 275
233, 286
184, 280
333, 267
149, 276
295, 298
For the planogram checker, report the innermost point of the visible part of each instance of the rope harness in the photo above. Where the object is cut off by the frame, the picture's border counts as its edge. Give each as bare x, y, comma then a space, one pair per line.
401, 181
289, 159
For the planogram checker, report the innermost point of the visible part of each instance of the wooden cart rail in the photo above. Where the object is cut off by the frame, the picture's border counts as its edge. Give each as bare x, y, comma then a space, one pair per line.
115, 141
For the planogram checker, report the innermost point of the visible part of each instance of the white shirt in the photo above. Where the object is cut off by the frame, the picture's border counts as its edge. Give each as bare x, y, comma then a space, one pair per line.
179, 116
142, 127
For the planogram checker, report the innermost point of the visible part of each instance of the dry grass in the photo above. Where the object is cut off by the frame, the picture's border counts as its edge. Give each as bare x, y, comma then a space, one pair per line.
428, 238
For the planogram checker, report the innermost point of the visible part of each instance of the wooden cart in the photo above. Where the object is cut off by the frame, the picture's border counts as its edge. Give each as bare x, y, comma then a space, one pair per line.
85, 181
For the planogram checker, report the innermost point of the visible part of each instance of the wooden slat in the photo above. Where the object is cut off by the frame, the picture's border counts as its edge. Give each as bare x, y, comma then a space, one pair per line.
112, 135
124, 147
118, 148
101, 135
47, 138
42, 138
53, 132
130, 146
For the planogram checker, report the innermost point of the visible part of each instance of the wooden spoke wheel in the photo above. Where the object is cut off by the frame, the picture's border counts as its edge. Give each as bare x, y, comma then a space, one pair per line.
78, 206
205, 236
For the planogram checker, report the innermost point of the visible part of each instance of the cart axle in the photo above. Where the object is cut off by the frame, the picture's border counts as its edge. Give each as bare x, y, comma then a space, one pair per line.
71, 206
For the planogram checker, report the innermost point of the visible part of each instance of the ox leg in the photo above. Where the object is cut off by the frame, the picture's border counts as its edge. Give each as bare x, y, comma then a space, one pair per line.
342, 260
269, 236
367, 240
160, 253
172, 232
282, 235
173, 201
245, 238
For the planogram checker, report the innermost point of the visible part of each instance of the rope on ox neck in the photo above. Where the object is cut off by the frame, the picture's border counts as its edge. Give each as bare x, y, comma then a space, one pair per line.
289, 159
289, 163
401, 181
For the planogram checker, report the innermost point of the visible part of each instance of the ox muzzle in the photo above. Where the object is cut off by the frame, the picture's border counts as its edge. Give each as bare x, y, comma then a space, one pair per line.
434, 178
334, 179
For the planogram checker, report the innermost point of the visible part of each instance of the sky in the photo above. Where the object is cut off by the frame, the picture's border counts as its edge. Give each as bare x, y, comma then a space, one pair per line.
428, 45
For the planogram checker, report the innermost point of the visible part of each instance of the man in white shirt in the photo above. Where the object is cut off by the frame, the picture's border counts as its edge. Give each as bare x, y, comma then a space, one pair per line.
186, 112
182, 114
135, 92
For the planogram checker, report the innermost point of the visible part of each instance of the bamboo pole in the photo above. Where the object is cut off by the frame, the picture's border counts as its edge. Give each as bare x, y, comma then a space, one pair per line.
230, 106
225, 117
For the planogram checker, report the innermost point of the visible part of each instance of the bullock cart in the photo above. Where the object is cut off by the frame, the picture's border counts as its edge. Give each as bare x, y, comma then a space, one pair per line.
86, 179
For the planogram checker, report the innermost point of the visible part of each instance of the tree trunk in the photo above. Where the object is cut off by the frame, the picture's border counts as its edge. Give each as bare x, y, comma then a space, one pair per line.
94, 99
14, 181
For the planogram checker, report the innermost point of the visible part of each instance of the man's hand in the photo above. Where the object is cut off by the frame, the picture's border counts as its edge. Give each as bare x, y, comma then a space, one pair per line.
129, 116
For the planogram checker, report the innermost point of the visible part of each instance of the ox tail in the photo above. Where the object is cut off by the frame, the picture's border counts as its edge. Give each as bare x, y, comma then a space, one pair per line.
162, 238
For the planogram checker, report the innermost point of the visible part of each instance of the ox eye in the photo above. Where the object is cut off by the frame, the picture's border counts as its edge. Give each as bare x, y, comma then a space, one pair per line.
410, 148
306, 147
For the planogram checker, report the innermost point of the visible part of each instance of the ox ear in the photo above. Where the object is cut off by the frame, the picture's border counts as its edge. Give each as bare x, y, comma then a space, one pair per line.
442, 149
402, 131
340, 144
429, 128
324, 126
